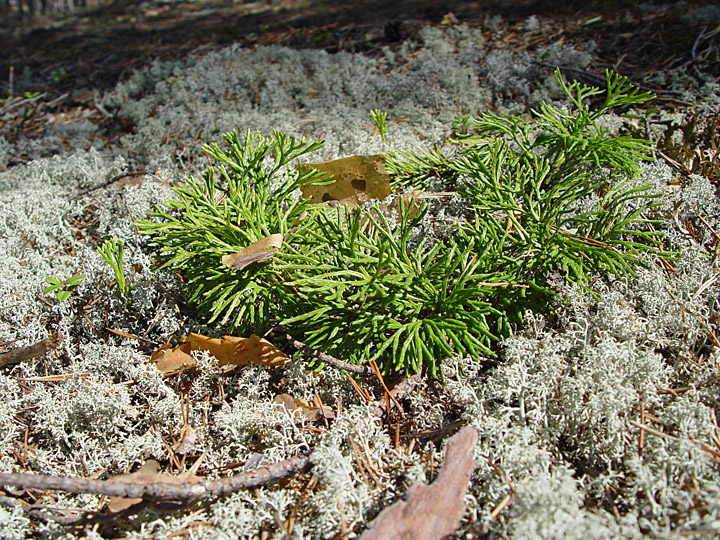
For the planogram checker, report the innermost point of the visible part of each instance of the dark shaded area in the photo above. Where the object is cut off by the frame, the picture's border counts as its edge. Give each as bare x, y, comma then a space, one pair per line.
96, 49
71, 61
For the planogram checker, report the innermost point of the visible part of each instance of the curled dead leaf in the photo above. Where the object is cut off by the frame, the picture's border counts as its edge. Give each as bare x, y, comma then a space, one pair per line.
229, 351
257, 252
186, 444
169, 359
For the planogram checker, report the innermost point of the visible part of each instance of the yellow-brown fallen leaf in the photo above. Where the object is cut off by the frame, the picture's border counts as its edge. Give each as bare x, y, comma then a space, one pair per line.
186, 444
357, 179
169, 359
239, 351
257, 252
308, 409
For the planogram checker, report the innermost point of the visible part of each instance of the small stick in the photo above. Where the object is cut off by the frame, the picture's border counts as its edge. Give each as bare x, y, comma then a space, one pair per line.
704, 447
109, 181
693, 52
501, 506
16, 356
12, 104
131, 336
329, 360
388, 394
161, 490
641, 441
652, 431
363, 394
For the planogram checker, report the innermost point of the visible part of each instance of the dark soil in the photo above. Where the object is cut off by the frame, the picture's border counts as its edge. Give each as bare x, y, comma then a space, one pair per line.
75, 59
93, 51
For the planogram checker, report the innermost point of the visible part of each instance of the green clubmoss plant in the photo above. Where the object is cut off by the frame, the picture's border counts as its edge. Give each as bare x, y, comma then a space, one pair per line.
366, 290
567, 138
378, 118
362, 285
537, 185
250, 197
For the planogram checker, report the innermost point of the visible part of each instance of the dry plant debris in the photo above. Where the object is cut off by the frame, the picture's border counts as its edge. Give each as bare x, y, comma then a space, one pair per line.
431, 512
257, 252
598, 421
15, 356
349, 181
147, 484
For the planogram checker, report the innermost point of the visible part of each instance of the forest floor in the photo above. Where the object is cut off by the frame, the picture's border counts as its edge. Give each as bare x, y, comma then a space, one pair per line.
125, 96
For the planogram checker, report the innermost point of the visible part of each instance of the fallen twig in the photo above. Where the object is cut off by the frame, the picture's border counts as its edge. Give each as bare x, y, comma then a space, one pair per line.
109, 181
329, 360
16, 356
163, 490
704, 447
14, 103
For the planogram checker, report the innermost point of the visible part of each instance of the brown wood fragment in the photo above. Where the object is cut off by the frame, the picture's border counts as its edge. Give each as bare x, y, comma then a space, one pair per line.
327, 359
431, 512
20, 354
161, 489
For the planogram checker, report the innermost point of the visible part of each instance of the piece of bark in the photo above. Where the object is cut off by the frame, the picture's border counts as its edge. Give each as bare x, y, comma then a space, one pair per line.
431, 512
16, 356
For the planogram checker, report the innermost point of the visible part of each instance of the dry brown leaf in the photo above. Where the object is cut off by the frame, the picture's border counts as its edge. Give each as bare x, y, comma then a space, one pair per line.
169, 359
257, 252
239, 351
357, 179
431, 512
308, 409
407, 200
